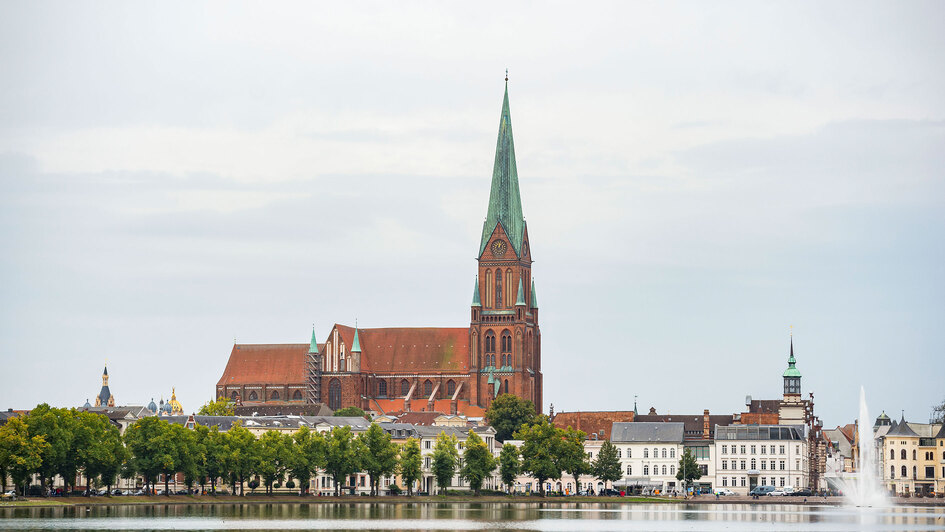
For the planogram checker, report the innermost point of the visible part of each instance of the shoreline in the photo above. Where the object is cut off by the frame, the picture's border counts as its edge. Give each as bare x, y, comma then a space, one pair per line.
195, 500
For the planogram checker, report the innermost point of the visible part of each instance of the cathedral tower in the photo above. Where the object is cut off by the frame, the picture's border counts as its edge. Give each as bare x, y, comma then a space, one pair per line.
505, 342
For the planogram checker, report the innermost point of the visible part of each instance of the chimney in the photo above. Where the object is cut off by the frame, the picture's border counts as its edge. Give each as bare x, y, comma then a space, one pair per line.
705, 424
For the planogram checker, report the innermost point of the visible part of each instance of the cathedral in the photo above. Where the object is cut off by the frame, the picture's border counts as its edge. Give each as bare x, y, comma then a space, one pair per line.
400, 369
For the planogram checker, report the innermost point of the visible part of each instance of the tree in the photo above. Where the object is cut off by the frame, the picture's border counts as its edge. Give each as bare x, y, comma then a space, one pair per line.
173, 450
104, 455
274, 449
688, 469
215, 459
938, 413
410, 464
606, 466
380, 455
221, 407
306, 456
145, 440
20, 453
445, 457
343, 455
243, 455
509, 465
508, 413
573, 458
351, 411
51, 424
541, 446
478, 462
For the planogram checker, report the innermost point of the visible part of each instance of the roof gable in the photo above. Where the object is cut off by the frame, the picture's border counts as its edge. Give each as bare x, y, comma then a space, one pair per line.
265, 363
411, 349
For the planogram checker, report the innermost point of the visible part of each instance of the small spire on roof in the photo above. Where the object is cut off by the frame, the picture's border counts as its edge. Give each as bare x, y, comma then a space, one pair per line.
506, 75
356, 343
520, 300
476, 302
313, 348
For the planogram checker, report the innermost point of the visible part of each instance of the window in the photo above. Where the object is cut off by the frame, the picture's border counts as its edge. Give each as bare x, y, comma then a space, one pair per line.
892, 454
646, 470
427, 388
903, 454
382, 389
743, 449
672, 452
253, 396
781, 481
725, 449
752, 449
274, 396
913, 454
498, 288
426, 444
743, 482
234, 395
664, 469
664, 452
334, 394
763, 465
781, 464
764, 481
724, 481
488, 288
450, 388
629, 453
929, 471
404, 387
892, 471
914, 475
619, 453
743, 465
763, 449
724, 464
672, 470
506, 341
297, 396
629, 470
904, 474
754, 465
426, 462
506, 386
781, 450
646, 453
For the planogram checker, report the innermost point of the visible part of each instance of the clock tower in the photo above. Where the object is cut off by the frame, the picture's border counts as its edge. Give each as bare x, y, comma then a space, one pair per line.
505, 342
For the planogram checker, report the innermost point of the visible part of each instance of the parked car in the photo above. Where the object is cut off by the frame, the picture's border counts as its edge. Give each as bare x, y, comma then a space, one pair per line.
10, 495
761, 491
609, 493
724, 491
803, 492
777, 493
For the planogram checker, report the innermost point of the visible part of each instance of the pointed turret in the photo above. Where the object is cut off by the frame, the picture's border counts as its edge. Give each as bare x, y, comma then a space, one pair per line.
505, 202
792, 377
313, 348
534, 296
520, 300
476, 302
356, 343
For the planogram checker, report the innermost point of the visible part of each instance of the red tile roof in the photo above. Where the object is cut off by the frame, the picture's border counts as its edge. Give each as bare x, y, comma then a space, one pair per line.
411, 349
848, 431
265, 364
592, 422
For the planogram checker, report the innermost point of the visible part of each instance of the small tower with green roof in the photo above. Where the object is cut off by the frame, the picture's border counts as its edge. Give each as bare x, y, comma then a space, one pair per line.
313, 370
792, 377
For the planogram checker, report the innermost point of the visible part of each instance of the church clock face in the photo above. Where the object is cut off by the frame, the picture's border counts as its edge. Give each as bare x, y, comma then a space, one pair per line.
498, 248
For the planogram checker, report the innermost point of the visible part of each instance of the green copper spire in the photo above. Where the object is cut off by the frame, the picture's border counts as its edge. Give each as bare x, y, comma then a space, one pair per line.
520, 300
356, 343
314, 347
505, 203
791, 371
476, 302
534, 295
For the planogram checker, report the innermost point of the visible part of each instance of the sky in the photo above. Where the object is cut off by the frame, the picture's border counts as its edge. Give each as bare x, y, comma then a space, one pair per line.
697, 178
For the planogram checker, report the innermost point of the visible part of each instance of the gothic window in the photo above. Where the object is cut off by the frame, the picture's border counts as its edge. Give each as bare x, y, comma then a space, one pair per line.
234, 395
903, 454
274, 396
427, 388
404, 387
488, 288
490, 342
450, 388
297, 396
509, 286
498, 288
382, 389
334, 394
506, 341
342, 366
253, 396
506, 386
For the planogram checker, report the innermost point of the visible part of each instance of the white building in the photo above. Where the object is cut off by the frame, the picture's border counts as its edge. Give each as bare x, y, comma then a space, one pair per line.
760, 455
649, 455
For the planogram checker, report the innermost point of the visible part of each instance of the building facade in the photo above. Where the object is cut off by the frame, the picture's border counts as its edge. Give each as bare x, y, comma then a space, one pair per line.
450, 370
761, 455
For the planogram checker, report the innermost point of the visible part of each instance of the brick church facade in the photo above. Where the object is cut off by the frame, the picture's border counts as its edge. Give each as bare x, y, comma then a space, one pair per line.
450, 370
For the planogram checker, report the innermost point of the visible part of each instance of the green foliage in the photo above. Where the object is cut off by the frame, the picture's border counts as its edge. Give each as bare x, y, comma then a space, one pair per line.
411, 463
146, 442
343, 455
216, 456
243, 456
351, 411
572, 456
541, 451
221, 407
445, 457
509, 465
478, 462
274, 457
20, 453
688, 469
105, 453
380, 455
308, 454
606, 466
508, 413
55, 427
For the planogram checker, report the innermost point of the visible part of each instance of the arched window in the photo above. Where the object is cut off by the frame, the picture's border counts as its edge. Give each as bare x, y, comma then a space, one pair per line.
646, 470
629, 470
488, 288
672, 452
506, 386
235, 395
629, 453
297, 396
892, 454
404, 387
903, 454
904, 474
382, 388
498, 288
913, 454
619, 453
672, 470
450, 388
427, 388
914, 473
664, 452
664, 469
509, 286
646, 453
490, 341
892, 471
506, 341
274, 396
253, 396
334, 394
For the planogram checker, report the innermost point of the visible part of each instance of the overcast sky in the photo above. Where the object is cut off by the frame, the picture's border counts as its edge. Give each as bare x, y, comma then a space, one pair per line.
696, 178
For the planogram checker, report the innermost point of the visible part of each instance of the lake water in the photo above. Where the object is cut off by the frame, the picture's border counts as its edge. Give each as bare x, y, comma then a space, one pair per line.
474, 516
